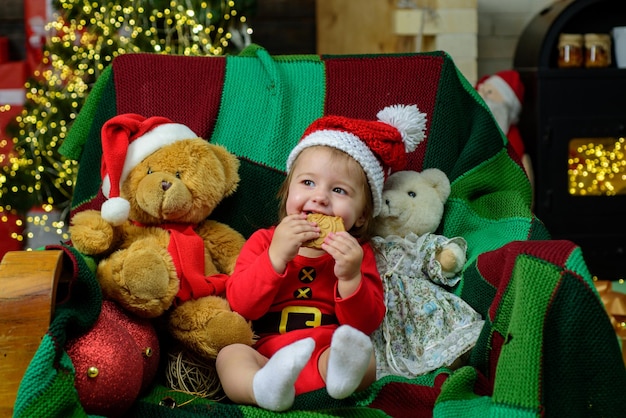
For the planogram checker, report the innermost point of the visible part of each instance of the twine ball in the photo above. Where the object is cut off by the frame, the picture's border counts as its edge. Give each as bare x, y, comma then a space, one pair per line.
187, 372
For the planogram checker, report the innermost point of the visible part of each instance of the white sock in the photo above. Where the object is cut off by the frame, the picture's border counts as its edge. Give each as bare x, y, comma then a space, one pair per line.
273, 385
350, 353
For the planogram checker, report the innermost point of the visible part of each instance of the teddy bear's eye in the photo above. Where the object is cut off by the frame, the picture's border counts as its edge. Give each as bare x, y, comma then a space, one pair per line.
149, 171
412, 194
178, 174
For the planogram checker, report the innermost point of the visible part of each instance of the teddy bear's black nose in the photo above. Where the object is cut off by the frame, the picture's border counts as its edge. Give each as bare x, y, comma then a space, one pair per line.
165, 185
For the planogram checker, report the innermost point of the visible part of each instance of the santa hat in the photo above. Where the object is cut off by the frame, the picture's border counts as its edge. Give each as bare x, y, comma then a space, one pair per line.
509, 84
380, 147
126, 140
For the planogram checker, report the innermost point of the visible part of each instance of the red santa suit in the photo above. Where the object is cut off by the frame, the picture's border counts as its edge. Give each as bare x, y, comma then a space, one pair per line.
301, 302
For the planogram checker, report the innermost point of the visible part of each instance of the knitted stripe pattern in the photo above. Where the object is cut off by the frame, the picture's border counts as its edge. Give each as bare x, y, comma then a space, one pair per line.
541, 340
547, 346
276, 110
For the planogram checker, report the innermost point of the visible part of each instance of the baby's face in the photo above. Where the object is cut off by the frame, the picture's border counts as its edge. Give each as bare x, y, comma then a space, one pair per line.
324, 183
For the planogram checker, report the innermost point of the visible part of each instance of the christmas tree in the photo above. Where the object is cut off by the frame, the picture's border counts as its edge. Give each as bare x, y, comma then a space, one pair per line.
83, 38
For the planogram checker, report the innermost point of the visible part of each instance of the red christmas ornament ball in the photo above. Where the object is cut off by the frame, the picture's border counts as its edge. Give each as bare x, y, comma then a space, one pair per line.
145, 336
109, 368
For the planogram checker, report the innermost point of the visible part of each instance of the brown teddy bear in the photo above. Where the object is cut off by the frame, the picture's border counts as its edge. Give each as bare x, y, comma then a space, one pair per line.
158, 251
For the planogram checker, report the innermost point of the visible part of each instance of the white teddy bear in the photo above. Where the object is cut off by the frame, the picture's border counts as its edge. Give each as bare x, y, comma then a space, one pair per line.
413, 205
426, 325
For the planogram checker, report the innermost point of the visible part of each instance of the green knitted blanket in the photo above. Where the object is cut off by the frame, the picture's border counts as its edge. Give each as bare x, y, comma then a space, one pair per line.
547, 347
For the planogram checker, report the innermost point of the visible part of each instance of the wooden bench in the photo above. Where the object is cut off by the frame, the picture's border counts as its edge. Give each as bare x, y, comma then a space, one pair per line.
28, 287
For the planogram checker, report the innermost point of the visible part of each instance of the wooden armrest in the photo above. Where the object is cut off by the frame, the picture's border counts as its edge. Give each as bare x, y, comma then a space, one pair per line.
28, 283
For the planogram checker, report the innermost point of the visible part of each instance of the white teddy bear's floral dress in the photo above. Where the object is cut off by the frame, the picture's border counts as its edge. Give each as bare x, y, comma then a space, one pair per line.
426, 326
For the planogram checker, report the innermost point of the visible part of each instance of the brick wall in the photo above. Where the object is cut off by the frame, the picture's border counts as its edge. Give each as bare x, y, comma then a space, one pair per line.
448, 25
477, 51
500, 22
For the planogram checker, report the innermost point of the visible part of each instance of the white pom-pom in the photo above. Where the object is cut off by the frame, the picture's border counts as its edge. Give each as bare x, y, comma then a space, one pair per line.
115, 210
408, 120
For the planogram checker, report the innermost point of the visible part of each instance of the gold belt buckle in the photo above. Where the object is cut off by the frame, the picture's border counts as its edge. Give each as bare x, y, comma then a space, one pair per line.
287, 310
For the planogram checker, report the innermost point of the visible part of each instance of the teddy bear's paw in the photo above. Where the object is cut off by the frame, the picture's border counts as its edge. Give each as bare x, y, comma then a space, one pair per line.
141, 280
206, 325
91, 234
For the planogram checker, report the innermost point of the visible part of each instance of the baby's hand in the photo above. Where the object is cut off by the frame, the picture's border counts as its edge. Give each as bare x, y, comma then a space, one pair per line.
348, 255
289, 236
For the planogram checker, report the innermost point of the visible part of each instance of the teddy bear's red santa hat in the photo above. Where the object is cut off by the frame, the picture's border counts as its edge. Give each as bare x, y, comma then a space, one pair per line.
127, 139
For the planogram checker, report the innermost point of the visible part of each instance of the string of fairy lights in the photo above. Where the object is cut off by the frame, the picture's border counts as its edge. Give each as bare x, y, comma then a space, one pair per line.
597, 167
83, 38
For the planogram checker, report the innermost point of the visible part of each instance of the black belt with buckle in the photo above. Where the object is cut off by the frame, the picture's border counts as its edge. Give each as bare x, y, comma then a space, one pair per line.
292, 318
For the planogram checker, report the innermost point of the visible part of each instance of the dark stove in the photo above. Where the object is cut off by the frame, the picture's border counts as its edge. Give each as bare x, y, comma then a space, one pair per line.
573, 124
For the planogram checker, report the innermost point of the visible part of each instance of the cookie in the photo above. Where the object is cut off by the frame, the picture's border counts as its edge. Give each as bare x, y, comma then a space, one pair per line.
327, 224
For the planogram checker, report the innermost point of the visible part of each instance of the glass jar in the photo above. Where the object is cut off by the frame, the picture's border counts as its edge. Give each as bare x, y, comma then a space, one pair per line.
597, 50
570, 50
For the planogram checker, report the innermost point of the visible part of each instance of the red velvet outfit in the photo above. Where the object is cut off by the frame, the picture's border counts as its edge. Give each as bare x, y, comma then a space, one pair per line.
302, 302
